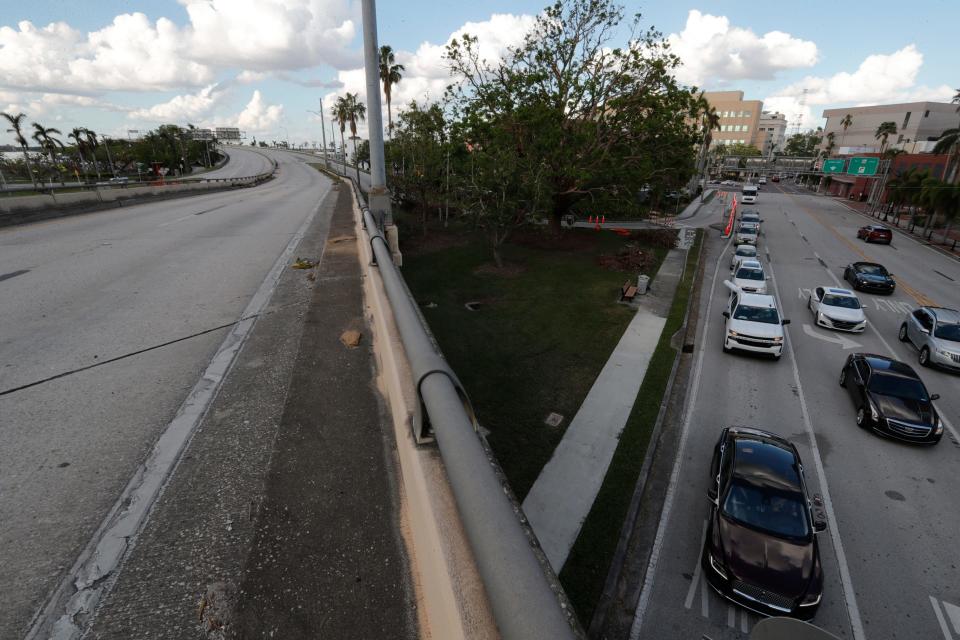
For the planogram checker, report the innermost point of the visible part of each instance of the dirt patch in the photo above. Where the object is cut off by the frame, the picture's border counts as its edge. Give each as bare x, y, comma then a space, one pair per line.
661, 238
543, 240
508, 270
629, 259
413, 242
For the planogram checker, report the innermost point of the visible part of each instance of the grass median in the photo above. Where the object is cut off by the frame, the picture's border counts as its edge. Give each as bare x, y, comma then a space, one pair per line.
586, 569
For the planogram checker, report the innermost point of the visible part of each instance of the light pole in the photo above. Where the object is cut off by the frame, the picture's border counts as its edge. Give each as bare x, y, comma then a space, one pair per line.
378, 198
323, 131
286, 136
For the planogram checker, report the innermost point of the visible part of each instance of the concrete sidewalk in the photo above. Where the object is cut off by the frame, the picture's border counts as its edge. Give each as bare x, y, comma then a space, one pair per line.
563, 494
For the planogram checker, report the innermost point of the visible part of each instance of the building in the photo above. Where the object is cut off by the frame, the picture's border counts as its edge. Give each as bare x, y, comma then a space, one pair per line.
916, 122
771, 132
858, 188
739, 118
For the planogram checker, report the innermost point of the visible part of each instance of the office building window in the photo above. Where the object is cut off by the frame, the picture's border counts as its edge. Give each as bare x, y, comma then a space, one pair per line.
926, 114
906, 119
746, 114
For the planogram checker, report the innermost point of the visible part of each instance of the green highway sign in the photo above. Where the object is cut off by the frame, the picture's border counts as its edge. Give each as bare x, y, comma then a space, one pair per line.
863, 166
834, 165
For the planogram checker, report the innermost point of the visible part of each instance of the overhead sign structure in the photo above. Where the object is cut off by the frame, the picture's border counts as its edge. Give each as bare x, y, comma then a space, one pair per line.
228, 133
731, 161
833, 165
863, 166
202, 134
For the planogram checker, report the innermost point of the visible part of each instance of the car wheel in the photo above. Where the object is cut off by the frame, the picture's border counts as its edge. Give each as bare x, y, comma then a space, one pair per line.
903, 332
861, 418
925, 357
726, 349
843, 377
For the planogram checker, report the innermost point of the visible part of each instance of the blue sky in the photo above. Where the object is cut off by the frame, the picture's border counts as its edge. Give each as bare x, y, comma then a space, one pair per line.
262, 64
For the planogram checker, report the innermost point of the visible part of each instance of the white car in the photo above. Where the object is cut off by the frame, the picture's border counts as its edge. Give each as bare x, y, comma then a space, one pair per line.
750, 278
750, 216
762, 181
742, 252
753, 323
837, 309
747, 233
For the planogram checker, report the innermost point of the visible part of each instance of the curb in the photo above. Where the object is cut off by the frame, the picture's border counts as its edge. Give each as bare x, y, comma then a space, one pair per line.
906, 234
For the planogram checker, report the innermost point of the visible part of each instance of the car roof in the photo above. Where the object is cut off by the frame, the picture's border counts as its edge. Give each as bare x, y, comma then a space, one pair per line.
868, 264
839, 292
751, 264
883, 364
946, 316
766, 461
757, 300
746, 246
877, 226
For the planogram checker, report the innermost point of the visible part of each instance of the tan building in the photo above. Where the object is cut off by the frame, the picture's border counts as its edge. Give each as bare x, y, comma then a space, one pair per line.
916, 122
772, 133
739, 118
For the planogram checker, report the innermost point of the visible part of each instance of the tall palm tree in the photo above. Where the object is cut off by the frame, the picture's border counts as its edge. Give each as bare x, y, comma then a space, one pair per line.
93, 143
884, 131
830, 144
845, 123
390, 74
45, 139
341, 115
78, 139
16, 128
356, 110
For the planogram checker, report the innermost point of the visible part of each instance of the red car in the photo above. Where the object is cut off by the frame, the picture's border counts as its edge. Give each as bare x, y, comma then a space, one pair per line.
775, 178
875, 233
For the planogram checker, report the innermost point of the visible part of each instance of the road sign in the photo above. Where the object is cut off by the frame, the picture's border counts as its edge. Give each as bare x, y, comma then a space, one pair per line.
834, 165
863, 166
228, 133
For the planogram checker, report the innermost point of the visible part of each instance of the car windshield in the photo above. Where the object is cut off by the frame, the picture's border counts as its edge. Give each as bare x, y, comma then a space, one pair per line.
845, 302
756, 314
872, 270
750, 274
746, 251
779, 513
747, 231
949, 332
897, 387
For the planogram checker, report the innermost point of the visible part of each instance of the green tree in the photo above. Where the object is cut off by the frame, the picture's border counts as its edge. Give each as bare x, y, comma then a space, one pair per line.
884, 131
845, 123
419, 149
804, 144
830, 144
594, 121
76, 134
341, 116
356, 112
390, 74
740, 149
949, 143
44, 138
16, 128
93, 143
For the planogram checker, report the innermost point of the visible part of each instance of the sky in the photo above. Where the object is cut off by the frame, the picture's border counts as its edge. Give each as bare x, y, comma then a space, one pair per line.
116, 66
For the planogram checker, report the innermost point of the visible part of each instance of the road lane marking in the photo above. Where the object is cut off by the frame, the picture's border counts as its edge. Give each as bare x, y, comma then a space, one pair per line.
696, 571
96, 568
731, 616
943, 623
853, 611
668, 500
953, 612
744, 621
844, 342
940, 273
704, 597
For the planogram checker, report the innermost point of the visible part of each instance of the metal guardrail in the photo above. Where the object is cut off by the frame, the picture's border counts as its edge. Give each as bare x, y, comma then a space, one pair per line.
523, 594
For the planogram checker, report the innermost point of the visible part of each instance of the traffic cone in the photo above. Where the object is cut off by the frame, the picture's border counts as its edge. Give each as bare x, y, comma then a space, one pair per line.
604, 219
590, 219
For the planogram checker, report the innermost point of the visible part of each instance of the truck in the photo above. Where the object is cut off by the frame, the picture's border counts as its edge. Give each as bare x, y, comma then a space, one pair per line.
749, 193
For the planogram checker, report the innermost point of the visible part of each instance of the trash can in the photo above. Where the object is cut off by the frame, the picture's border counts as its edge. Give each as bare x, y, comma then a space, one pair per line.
642, 283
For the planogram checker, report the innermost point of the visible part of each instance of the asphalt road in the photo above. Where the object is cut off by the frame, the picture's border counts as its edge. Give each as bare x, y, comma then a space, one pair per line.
889, 555
151, 288
243, 162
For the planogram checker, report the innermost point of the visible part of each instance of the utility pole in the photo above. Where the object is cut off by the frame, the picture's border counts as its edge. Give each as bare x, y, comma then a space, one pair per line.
106, 143
323, 132
378, 198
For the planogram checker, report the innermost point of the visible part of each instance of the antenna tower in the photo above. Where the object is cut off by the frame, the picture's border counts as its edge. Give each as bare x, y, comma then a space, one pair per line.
800, 106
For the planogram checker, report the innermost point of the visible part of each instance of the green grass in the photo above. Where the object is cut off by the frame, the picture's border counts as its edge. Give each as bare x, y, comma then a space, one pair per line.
585, 571
537, 343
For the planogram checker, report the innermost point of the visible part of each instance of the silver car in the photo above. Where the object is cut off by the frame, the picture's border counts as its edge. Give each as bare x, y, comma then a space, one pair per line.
747, 233
935, 332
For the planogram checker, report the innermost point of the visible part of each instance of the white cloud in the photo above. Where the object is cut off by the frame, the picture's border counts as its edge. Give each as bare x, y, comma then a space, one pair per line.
713, 52
248, 77
189, 107
880, 79
257, 116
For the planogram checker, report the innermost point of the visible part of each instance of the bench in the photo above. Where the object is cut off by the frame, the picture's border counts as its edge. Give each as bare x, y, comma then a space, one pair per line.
628, 292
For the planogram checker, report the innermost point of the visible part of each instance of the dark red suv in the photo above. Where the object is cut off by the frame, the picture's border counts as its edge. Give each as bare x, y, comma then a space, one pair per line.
875, 233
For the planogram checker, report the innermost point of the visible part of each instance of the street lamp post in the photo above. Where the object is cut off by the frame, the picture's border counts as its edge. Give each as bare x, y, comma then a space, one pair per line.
323, 131
378, 198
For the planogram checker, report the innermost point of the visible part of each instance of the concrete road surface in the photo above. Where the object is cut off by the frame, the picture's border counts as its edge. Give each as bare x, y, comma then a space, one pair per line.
152, 289
244, 161
890, 555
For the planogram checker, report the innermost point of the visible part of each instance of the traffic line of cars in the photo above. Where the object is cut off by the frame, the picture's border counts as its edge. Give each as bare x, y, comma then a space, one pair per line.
761, 550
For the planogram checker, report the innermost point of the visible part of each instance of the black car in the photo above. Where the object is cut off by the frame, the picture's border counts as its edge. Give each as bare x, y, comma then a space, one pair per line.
891, 399
761, 548
869, 276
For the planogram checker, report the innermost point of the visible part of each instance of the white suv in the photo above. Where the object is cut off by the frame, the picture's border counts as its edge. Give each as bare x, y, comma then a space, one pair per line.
752, 323
837, 309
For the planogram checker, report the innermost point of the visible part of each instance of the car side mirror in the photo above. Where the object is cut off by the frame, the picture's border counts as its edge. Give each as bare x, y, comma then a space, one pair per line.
819, 524
925, 330
935, 396
819, 515
726, 314
785, 321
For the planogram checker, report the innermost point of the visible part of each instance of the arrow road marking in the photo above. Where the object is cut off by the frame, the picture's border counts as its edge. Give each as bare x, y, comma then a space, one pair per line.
845, 343
953, 612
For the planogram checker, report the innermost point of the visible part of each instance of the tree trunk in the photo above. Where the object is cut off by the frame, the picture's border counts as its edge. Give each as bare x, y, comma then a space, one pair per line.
26, 159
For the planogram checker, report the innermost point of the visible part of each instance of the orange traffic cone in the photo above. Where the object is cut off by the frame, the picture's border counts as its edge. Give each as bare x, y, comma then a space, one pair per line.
604, 219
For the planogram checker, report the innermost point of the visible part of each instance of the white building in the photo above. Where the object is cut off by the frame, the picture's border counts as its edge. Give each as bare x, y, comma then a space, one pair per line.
771, 132
916, 122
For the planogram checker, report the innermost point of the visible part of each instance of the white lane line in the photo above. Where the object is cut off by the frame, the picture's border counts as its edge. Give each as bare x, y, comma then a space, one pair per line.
895, 355
744, 622
940, 619
696, 571
67, 612
853, 611
704, 598
668, 500
731, 616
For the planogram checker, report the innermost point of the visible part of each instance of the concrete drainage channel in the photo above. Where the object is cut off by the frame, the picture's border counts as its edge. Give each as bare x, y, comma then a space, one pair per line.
524, 595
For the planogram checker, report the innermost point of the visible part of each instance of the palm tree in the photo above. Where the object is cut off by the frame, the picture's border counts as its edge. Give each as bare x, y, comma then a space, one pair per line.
341, 115
830, 144
356, 110
845, 123
949, 143
44, 138
884, 131
93, 143
16, 124
390, 74
77, 135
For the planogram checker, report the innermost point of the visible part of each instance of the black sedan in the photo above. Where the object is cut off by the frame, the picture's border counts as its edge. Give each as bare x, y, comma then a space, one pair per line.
891, 399
761, 550
869, 276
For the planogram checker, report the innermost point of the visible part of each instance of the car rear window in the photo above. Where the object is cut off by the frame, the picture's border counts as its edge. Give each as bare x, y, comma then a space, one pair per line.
779, 513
